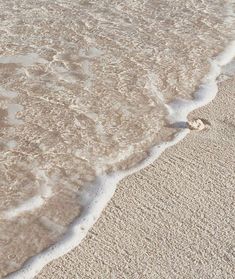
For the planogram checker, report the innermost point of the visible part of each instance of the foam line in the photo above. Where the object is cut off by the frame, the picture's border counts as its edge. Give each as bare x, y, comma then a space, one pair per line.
33, 203
97, 195
29, 205
25, 60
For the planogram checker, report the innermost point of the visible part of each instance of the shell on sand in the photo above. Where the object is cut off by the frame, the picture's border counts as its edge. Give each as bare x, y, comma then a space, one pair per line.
196, 124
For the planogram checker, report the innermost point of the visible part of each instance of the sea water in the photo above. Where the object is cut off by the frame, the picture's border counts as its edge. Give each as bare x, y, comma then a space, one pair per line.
92, 91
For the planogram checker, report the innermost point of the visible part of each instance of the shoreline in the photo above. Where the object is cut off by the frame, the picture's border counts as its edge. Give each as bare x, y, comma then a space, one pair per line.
84, 104
100, 193
157, 215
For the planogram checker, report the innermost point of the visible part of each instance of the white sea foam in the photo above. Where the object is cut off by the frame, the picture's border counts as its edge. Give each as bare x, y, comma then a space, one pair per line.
96, 196
179, 109
28, 205
25, 60
34, 202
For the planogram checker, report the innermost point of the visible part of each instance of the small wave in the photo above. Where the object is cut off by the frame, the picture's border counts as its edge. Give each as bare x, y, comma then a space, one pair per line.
101, 93
96, 196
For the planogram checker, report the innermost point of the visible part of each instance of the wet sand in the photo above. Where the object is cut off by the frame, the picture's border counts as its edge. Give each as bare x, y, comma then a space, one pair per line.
174, 219
83, 93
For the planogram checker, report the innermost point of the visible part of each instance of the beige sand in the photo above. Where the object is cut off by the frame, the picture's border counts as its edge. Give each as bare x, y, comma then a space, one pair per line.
175, 219
83, 91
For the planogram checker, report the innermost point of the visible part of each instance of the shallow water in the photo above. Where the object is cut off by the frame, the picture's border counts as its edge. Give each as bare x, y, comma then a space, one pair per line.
84, 88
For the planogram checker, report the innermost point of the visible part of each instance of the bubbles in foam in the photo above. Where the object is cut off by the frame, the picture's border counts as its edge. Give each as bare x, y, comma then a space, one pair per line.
93, 85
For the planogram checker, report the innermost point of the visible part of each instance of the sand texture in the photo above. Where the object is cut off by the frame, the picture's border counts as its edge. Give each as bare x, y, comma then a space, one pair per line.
174, 219
83, 93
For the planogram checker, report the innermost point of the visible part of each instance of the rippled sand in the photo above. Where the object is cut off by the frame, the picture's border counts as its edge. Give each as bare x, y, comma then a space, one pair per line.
83, 91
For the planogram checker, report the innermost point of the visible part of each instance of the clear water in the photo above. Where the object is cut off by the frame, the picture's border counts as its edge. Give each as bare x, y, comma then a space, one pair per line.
88, 90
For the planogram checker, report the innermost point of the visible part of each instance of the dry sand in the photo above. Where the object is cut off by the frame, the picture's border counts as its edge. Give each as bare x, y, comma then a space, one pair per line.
83, 92
174, 219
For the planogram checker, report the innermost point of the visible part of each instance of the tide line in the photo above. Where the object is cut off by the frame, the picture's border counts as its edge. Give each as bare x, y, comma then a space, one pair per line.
97, 195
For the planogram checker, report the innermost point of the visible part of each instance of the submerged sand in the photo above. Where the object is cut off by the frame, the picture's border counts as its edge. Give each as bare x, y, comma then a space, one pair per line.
174, 219
83, 91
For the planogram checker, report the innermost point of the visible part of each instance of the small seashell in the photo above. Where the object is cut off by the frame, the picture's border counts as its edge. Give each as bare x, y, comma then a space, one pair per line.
196, 124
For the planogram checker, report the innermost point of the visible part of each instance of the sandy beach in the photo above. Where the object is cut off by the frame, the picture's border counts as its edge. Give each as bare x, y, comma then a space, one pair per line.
92, 92
174, 219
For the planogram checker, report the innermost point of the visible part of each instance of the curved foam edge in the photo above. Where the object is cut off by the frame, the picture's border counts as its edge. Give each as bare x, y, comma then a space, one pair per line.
98, 194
